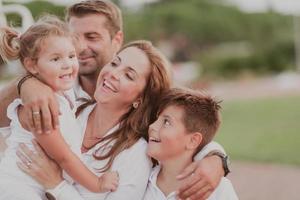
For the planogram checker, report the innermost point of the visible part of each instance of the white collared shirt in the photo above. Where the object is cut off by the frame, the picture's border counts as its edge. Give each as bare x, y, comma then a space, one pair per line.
133, 166
224, 191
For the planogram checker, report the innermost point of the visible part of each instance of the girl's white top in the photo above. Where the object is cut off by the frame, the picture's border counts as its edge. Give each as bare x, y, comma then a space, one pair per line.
70, 130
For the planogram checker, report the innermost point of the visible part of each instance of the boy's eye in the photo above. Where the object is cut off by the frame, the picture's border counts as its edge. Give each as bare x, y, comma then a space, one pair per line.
114, 64
166, 122
72, 56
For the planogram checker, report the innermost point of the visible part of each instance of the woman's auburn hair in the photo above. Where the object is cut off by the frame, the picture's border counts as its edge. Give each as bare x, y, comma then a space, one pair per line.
134, 124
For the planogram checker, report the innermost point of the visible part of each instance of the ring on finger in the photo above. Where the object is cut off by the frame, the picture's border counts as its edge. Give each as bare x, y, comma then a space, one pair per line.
28, 163
35, 112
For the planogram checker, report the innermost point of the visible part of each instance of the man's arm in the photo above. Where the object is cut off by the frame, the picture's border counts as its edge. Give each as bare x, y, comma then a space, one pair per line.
8, 94
201, 178
40, 106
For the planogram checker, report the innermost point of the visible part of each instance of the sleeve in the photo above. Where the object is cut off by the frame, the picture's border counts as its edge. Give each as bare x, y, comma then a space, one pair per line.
212, 146
225, 190
134, 169
5, 132
65, 191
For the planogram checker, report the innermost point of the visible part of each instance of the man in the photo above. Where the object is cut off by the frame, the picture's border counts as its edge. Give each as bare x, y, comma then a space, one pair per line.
98, 25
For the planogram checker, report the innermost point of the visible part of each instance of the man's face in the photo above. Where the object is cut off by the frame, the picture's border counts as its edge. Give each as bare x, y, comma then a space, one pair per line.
97, 47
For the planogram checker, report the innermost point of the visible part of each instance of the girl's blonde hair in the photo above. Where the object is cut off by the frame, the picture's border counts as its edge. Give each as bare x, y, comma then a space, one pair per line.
14, 45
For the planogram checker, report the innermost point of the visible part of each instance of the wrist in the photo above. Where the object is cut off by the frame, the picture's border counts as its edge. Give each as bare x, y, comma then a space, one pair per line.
53, 193
21, 82
224, 160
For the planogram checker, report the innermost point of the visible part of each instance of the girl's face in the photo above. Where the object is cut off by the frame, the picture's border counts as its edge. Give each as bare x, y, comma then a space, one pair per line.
57, 63
167, 135
122, 80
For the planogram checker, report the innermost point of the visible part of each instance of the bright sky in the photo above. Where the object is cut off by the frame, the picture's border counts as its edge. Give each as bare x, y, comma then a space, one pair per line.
284, 6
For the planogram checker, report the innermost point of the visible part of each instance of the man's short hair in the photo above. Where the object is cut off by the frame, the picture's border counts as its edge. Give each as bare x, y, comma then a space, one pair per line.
201, 113
108, 9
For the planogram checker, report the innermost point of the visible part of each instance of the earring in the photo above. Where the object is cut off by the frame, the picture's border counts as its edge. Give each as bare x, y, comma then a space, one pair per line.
135, 104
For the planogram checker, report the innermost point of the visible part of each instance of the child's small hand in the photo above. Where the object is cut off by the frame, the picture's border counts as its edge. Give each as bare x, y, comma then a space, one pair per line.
109, 181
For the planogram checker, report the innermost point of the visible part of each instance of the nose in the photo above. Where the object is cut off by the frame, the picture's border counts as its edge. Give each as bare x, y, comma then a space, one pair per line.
82, 44
115, 74
68, 63
153, 127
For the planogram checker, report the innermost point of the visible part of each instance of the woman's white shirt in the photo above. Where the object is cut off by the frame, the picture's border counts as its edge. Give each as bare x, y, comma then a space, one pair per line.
133, 166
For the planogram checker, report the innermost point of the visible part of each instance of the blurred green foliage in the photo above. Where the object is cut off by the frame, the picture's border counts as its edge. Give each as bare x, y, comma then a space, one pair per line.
262, 129
222, 39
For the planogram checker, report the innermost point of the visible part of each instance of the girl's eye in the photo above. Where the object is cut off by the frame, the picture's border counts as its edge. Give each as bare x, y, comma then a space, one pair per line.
55, 59
72, 56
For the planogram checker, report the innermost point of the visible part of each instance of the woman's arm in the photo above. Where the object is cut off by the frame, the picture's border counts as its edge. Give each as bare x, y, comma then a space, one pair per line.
56, 147
46, 172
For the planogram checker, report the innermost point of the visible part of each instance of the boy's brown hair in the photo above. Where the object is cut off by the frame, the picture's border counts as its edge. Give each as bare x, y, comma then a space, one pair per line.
201, 112
114, 21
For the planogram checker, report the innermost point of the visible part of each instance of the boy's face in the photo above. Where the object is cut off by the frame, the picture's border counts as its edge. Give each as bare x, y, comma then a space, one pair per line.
167, 135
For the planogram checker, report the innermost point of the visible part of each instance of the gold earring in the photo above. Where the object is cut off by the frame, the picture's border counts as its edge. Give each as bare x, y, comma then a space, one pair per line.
135, 104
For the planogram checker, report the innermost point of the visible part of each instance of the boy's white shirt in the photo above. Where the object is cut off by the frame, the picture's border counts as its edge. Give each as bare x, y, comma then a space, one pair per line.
224, 191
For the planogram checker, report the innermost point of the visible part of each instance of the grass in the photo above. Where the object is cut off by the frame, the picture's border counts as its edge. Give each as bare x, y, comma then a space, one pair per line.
265, 130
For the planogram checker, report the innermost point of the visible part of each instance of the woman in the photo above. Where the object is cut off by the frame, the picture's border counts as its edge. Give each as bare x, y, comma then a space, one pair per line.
126, 95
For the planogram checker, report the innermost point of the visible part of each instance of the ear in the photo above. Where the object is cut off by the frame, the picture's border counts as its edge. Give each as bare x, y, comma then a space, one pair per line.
136, 103
30, 65
194, 140
118, 40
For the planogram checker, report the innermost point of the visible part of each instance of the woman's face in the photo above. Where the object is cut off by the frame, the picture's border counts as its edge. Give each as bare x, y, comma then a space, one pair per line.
121, 81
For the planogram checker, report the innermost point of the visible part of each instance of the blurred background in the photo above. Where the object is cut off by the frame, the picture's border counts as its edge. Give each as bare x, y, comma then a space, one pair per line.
246, 53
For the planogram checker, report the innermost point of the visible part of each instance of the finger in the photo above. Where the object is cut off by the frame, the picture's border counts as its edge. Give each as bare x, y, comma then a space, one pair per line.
30, 154
200, 195
54, 110
37, 120
46, 119
187, 171
189, 182
23, 158
193, 189
24, 168
29, 122
206, 195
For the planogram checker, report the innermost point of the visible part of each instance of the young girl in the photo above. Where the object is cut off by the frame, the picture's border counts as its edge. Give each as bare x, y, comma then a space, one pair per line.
47, 52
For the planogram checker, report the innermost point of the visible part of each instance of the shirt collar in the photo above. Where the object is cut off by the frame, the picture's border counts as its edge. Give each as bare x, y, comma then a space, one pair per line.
153, 180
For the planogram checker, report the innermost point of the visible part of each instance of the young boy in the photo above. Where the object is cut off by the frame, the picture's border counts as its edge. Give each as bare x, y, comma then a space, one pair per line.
187, 121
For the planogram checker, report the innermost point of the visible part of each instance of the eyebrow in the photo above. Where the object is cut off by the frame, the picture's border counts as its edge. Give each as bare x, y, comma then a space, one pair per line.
129, 67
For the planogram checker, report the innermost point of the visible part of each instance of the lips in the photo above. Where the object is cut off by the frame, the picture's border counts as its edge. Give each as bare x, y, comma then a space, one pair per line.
108, 85
66, 76
154, 139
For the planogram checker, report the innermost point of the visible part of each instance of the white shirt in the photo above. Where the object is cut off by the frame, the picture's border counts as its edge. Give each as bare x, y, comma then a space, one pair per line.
224, 191
10, 174
133, 166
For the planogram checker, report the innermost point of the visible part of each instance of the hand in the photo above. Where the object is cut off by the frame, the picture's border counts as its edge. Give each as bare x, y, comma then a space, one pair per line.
39, 166
40, 105
200, 178
109, 181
